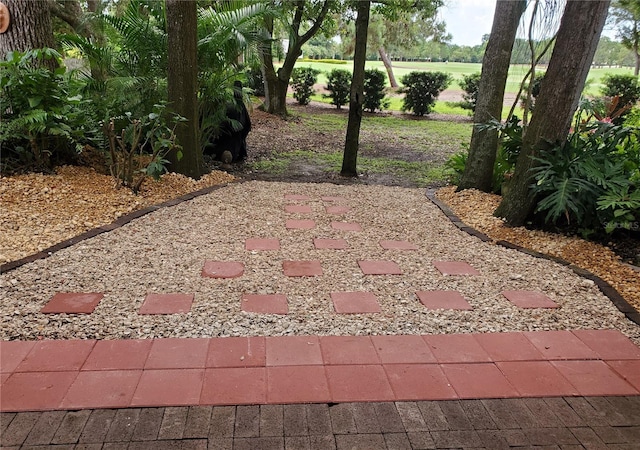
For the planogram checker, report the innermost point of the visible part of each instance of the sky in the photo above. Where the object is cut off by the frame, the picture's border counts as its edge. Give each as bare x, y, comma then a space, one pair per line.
468, 20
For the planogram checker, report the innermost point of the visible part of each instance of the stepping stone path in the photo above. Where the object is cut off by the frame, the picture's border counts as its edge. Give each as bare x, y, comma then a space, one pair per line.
77, 374
343, 302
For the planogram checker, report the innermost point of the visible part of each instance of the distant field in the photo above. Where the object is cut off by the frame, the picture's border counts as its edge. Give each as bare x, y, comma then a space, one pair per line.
516, 72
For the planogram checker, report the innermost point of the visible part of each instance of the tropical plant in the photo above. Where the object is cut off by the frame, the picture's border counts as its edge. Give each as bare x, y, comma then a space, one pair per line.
421, 90
374, 90
44, 116
139, 148
627, 91
303, 79
592, 179
338, 85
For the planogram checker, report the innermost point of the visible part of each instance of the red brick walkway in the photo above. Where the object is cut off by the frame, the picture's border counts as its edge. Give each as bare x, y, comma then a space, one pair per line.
85, 374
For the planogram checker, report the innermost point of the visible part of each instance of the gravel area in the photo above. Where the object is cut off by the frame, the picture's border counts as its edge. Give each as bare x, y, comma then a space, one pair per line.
164, 252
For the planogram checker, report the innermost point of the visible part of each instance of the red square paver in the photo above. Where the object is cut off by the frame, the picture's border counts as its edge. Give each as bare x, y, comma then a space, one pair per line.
262, 244
303, 209
629, 370
172, 387
358, 383
102, 389
54, 356
127, 354
297, 384
302, 268
72, 303
397, 245
293, 351
234, 386
355, 302
609, 344
296, 197
35, 391
456, 348
406, 349
560, 345
346, 226
12, 353
265, 304
330, 198
222, 269
237, 352
177, 353
419, 382
443, 300
348, 350
338, 209
372, 267
478, 381
333, 244
166, 304
593, 378
508, 347
529, 299
536, 379
293, 224
455, 268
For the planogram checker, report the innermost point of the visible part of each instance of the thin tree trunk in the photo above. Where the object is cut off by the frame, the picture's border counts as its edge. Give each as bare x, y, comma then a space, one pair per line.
30, 28
578, 37
387, 65
183, 84
349, 160
478, 173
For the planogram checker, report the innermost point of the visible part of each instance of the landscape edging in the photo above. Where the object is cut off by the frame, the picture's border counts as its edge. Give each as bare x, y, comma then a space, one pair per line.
618, 300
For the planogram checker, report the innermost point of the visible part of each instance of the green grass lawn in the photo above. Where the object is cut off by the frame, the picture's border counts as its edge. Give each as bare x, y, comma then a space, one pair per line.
457, 70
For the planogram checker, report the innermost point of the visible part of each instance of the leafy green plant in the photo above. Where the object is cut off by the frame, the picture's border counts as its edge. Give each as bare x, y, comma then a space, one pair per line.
303, 79
44, 115
470, 84
374, 90
139, 148
624, 86
588, 181
421, 90
339, 85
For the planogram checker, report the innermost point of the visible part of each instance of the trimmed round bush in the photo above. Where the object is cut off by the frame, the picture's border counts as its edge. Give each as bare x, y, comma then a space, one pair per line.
374, 90
303, 79
421, 90
339, 86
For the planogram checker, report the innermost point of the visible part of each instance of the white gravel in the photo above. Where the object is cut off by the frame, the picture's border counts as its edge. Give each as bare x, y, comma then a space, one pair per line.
164, 252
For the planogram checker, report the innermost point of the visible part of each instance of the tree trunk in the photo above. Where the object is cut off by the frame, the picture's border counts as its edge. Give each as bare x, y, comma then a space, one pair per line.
478, 172
387, 65
636, 53
277, 83
356, 101
30, 28
182, 81
578, 36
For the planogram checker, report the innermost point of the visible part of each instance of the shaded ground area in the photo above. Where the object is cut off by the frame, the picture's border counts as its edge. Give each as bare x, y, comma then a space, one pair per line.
394, 148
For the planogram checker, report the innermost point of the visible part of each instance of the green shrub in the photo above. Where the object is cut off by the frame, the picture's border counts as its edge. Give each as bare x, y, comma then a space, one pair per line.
45, 119
374, 90
339, 86
470, 84
592, 180
255, 81
303, 79
422, 89
625, 87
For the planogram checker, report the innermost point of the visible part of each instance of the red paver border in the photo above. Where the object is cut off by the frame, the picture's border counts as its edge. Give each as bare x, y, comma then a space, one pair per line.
259, 370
